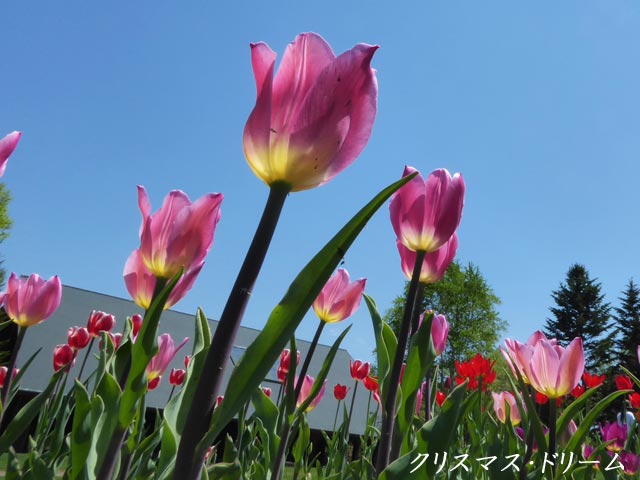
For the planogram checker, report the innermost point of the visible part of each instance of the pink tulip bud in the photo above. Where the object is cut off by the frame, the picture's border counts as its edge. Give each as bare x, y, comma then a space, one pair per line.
420, 397
32, 300
180, 234
439, 332
176, 377
136, 324
315, 117
219, 400
499, 401
426, 213
187, 360
434, 265
339, 299
305, 391
359, 370
63, 355
285, 364
266, 391
3, 374
78, 337
7, 145
100, 322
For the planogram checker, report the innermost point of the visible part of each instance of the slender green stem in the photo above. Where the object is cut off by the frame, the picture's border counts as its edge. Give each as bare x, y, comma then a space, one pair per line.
6, 388
388, 411
552, 432
427, 396
190, 458
86, 355
417, 310
307, 358
173, 388
335, 419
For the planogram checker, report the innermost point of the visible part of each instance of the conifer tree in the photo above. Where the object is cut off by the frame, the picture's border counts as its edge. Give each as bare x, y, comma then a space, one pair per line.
627, 317
581, 311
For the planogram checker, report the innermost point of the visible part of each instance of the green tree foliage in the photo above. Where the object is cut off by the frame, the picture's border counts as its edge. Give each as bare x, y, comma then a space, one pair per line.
9, 333
627, 317
466, 299
581, 311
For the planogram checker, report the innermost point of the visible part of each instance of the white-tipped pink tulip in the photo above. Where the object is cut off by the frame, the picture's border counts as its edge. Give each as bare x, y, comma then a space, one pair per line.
339, 298
315, 117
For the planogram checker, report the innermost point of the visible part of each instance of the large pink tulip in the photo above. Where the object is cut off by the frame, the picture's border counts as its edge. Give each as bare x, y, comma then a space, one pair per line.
305, 391
180, 234
509, 352
141, 283
29, 301
500, 400
315, 117
7, 145
161, 360
426, 213
551, 369
434, 265
339, 298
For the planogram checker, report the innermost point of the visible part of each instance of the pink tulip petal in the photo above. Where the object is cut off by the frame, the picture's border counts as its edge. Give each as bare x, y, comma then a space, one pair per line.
349, 301
139, 281
7, 145
183, 286
545, 363
405, 225
571, 366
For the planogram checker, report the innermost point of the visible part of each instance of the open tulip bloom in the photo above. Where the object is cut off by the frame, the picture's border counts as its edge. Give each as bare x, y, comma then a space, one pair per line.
339, 298
314, 117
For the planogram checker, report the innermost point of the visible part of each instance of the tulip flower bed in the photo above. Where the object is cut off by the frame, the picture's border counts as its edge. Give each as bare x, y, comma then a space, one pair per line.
311, 120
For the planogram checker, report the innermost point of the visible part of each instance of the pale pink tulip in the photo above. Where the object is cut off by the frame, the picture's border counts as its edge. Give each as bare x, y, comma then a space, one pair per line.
500, 400
510, 348
141, 283
551, 369
434, 265
29, 301
305, 391
180, 234
161, 360
315, 117
339, 299
426, 213
7, 145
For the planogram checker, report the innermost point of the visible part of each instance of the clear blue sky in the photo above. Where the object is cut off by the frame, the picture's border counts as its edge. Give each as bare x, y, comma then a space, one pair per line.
536, 103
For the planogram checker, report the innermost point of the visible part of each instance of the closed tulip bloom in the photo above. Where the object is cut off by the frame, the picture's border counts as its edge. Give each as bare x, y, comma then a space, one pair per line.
359, 369
434, 265
305, 391
370, 383
266, 391
136, 325
500, 400
176, 376
440, 398
426, 213
180, 234
161, 360
315, 117
439, 332
3, 374
339, 299
551, 369
7, 145
78, 337
63, 355
340, 392
30, 301
141, 283
100, 322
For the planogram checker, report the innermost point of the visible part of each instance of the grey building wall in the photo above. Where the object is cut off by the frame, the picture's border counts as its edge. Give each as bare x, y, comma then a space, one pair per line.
77, 304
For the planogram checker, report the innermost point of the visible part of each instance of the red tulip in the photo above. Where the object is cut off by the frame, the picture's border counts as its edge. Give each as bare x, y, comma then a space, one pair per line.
577, 391
136, 324
425, 214
3, 374
592, 381
435, 263
266, 391
634, 400
100, 322
176, 377
315, 117
339, 299
440, 398
63, 355
340, 392
180, 234
370, 383
623, 382
7, 145
285, 363
78, 337
359, 370
32, 300
478, 370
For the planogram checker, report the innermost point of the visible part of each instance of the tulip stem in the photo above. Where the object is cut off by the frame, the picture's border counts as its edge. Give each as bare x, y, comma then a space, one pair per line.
307, 359
8, 379
388, 411
190, 457
86, 355
552, 433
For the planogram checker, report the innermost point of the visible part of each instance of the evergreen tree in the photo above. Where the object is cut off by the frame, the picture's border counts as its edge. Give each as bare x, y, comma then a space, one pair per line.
469, 304
581, 311
627, 317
